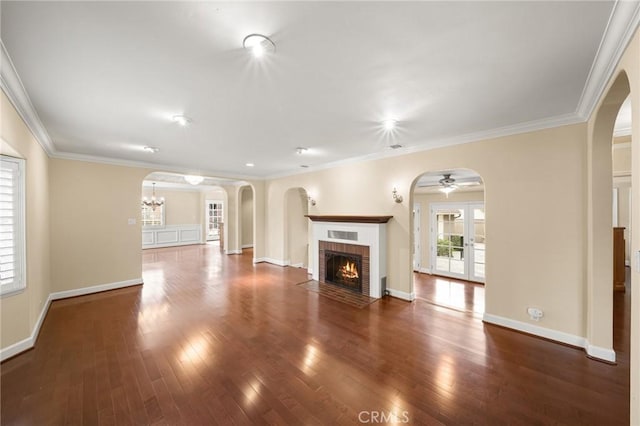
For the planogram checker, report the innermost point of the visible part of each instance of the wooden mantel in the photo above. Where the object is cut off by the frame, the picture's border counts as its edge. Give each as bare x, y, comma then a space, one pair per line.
352, 219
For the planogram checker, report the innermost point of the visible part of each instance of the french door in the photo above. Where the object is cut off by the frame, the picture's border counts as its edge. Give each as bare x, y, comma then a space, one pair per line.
458, 240
214, 218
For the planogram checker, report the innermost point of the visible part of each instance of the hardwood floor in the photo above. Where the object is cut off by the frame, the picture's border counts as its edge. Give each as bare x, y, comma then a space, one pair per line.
212, 339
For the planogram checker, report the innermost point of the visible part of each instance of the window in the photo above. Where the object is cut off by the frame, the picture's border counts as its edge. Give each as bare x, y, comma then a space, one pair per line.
12, 229
152, 217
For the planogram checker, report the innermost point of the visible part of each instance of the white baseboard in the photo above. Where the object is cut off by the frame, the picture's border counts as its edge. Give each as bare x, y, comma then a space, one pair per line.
601, 353
536, 330
233, 251
94, 289
423, 270
627, 262
410, 297
297, 265
271, 260
30, 341
244, 246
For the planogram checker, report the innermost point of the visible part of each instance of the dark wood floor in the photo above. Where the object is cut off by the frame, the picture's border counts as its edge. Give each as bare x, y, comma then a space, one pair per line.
217, 340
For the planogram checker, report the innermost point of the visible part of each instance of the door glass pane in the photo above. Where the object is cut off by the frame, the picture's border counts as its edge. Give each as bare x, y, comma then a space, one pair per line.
478, 242
450, 244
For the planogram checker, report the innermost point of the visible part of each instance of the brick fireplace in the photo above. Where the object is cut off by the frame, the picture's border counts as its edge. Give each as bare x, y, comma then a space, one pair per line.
350, 252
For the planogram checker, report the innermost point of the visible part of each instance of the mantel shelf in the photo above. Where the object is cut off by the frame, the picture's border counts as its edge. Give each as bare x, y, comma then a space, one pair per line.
351, 219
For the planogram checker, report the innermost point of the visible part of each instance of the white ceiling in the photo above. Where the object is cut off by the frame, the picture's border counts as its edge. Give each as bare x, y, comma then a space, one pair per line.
105, 77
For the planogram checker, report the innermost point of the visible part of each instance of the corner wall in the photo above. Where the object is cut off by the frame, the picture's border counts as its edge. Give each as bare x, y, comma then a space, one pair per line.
20, 313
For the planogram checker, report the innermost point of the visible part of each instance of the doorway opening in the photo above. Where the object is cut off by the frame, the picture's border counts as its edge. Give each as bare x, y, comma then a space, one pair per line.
449, 239
296, 228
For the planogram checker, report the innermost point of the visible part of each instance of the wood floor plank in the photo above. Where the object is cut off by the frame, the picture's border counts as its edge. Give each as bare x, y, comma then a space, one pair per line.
215, 339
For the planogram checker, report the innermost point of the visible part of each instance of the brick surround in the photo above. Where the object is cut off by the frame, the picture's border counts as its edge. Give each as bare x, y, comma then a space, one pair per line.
362, 251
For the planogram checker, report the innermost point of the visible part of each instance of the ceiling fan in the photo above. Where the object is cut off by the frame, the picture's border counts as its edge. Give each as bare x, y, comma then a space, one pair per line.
448, 184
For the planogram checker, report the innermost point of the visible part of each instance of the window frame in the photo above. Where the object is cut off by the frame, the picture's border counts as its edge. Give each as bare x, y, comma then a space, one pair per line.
20, 236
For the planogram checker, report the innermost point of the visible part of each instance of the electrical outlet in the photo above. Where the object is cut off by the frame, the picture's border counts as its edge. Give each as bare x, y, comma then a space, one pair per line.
535, 313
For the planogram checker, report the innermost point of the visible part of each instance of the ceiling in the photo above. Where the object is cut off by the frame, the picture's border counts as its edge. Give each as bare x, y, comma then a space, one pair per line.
105, 78
177, 181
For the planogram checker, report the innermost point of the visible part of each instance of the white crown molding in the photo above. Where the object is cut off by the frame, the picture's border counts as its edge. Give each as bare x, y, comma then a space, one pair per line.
12, 86
529, 126
625, 131
155, 167
622, 25
623, 22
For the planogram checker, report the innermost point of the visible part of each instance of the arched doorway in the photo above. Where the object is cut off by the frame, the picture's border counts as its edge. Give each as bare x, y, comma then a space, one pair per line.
296, 228
449, 239
246, 213
600, 223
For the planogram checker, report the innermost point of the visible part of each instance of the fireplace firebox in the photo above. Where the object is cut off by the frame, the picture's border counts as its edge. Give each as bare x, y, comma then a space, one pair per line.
343, 269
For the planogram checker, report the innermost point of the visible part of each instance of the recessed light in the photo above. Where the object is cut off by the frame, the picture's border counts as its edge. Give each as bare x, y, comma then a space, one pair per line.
258, 44
182, 120
151, 149
304, 166
389, 124
301, 150
249, 164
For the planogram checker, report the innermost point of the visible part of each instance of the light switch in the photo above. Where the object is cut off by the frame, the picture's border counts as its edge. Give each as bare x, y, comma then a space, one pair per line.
132, 221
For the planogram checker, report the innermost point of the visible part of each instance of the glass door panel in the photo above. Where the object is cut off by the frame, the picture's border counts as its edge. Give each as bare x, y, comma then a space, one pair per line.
458, 240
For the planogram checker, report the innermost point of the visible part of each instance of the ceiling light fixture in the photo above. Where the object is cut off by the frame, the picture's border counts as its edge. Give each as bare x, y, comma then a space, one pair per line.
151, 149
182, 120
389, 124
301, 150
153, 203
249, 164
194, 179
258, 44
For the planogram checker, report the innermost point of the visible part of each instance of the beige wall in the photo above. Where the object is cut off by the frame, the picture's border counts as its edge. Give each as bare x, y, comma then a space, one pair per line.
296, 227
20, 312
181, 207
92, 242
517, 190
246, 212
425, 201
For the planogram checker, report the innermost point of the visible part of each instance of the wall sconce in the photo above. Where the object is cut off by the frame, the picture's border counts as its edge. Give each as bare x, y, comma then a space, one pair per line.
311, 201
397, 198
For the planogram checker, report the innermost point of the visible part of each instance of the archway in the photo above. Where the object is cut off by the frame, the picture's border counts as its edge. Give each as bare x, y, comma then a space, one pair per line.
599, 222
449, 239
246, 217
296, 228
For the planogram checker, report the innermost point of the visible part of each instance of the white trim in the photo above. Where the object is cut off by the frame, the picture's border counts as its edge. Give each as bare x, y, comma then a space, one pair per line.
529, 126
424, 271
621, 27
598, 352
29, 342
271, 260
555, 335
244, 246
94, 289
410, 297
536, 330
12, 86
297, 265
233, 251
623, 131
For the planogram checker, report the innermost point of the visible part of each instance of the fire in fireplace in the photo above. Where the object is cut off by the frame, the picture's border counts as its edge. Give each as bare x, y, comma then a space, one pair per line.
343, 269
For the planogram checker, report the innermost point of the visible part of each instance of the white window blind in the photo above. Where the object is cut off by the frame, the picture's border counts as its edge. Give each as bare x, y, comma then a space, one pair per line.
12, 234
